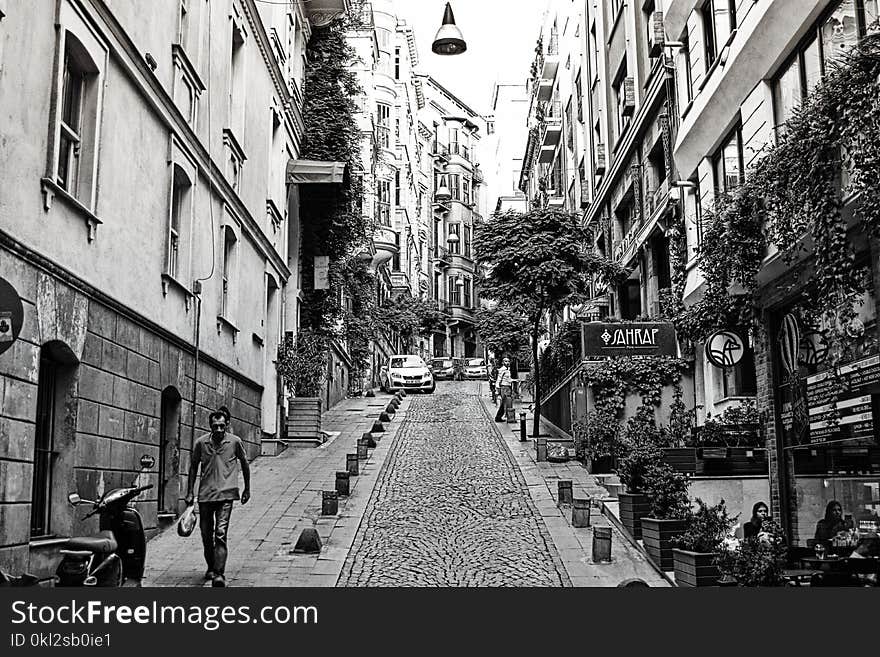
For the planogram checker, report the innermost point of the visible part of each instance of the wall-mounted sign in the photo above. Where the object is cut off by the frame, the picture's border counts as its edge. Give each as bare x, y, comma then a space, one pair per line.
11, 315
629, 339
725, 348
789, 343
844, 406
322, 272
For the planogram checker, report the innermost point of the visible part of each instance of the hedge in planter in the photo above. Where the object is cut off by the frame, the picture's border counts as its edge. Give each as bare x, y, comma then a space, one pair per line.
641, 439
695, 550
757, 562
667, 491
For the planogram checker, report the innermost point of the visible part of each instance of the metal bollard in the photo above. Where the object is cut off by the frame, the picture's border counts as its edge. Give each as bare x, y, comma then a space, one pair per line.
351, 464
329, 503
565, 492
369, 439
541, 449
580, 513
362, 452
601, 544
343, 484
522, 426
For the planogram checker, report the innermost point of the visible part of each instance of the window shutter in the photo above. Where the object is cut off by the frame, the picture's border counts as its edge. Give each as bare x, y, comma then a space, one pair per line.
629, 96
656, 35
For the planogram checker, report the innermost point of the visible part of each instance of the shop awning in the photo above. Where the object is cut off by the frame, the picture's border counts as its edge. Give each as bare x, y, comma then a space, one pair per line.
304, 172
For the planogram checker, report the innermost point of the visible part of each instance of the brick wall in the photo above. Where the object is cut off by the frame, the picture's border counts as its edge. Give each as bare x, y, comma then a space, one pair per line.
108, 410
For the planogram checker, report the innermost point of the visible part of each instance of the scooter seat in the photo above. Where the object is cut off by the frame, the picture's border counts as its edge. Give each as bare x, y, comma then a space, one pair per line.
96, 544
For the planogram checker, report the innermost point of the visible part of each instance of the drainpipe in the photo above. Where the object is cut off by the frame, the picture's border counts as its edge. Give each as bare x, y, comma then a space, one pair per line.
197, 289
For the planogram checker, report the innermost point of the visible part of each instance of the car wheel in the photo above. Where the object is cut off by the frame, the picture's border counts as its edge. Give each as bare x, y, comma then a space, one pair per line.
432, 389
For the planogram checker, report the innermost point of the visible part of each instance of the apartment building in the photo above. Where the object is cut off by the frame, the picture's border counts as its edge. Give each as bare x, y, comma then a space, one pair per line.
742, 67
149, 228
455, 134
506, 132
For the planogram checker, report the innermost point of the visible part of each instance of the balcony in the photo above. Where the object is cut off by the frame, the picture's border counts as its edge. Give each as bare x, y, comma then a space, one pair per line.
461, 313
442, 257
440, 151
551, 133
385, 243
550, 64
323, 12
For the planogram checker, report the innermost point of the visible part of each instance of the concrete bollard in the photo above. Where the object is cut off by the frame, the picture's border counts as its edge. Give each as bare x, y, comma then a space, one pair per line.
565, 492
351, 464
580, 512
384, 417
391, 409
395, 402
308, 542
378, 427
362, 452
541, 449
343, 484
402, 393
329, 503
601, 544
369, 440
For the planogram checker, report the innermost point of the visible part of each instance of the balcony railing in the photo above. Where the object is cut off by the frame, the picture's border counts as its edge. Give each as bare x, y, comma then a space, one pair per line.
439, 150
461, 150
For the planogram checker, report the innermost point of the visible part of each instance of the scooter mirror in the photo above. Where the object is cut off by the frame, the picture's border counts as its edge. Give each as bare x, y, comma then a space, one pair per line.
74, 499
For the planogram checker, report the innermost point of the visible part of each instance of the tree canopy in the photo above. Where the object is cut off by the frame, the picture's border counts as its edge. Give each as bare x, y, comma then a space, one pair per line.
503, 329
410, 316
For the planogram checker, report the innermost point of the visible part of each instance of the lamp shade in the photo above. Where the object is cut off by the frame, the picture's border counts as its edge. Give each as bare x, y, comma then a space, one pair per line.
453, 238
449, 40
442, 192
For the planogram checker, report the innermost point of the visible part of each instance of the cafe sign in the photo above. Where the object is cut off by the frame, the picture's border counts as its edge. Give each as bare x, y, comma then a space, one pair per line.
628, 339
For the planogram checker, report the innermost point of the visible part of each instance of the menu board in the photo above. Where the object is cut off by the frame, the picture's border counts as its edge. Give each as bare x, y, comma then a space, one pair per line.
852, 415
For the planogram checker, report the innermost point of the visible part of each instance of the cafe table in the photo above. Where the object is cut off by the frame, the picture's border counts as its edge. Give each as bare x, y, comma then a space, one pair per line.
827, 564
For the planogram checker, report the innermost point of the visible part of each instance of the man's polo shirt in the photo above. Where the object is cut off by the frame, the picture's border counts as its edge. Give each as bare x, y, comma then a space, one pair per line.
219, 463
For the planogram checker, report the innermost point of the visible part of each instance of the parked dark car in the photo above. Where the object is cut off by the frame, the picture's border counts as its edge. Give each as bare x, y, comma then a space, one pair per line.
443, 368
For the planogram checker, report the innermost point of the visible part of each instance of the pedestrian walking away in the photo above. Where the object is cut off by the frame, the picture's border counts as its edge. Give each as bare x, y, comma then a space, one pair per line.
216, 453
505, 389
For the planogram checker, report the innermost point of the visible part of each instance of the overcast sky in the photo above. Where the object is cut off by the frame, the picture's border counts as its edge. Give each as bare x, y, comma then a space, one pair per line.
500, 35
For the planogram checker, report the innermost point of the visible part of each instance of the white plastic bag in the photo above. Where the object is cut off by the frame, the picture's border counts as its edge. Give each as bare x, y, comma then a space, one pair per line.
187, 521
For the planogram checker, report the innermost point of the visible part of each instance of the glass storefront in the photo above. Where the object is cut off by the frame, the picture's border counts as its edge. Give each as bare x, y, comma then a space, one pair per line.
829, 419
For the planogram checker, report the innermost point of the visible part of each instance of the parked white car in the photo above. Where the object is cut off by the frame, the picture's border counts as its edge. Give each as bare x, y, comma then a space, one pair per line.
475, 368
407, 372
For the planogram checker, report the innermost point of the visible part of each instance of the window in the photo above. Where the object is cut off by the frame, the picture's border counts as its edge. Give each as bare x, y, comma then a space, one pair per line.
455, 186
385, 202
77, 125
454, 243
397, 63
183, 23
719, 20
593, 48
453, 140
624, 96
397, 187
467, 241
739, 380
236, 77
384, 124
466, 289
579, 95
227, 271
187, 86
727, 163
57, 382
466, 190
454, 287
395, 261
179, 221
234, 159
834, 35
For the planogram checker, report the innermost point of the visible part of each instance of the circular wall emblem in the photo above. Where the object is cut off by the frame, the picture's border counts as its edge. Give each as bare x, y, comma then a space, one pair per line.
11, 315
725, 348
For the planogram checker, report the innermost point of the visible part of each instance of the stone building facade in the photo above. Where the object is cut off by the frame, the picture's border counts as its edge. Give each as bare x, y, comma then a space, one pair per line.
146, 226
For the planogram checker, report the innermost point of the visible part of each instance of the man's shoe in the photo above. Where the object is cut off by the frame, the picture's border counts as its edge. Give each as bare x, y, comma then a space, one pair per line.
219, 580
209, 574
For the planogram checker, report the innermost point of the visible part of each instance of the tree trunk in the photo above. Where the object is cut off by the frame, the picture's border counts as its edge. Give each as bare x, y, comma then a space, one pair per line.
536, 426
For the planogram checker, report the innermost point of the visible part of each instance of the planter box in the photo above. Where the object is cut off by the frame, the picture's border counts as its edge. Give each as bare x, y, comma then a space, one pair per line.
739, 461
695, 568
304, 418
657, 536
604, 465
682, 459
633, 507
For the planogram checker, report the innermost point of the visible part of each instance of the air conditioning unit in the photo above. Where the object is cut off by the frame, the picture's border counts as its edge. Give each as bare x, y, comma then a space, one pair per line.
656, 35
628, 89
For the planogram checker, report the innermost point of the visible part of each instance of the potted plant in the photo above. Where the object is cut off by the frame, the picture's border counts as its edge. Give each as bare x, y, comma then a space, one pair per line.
667, 492
694, 551
302, 364
758, 561
641, 439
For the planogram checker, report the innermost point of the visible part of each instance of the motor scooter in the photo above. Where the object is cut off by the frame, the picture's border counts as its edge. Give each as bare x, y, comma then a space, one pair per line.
114, 557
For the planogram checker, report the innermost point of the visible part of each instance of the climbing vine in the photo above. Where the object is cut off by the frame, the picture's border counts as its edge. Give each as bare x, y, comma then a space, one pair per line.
804, 197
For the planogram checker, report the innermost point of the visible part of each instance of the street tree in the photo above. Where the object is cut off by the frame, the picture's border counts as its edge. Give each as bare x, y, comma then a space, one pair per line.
503, 329
537, 262
409, 317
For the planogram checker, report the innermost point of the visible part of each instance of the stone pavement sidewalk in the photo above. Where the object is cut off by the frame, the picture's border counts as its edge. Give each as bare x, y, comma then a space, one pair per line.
575, 544
286, 498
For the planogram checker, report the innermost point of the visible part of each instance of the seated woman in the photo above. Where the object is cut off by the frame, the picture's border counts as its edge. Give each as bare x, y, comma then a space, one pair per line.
760, 512
832, 524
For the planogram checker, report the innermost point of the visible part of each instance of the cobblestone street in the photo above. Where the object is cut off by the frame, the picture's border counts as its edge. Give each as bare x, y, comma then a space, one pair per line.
451, 507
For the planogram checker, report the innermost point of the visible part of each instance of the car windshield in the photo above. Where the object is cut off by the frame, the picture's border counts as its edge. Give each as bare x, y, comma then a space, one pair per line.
475, 362
407, 361
442, 363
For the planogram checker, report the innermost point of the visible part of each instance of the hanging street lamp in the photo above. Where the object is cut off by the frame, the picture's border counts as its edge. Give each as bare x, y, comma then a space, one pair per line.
449, 40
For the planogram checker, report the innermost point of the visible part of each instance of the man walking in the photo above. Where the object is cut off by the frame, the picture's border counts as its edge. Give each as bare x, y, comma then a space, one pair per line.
217, 453
504, 387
